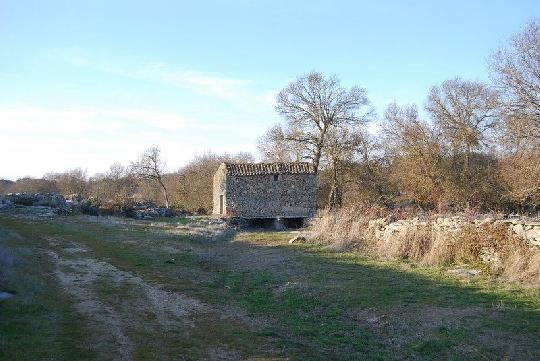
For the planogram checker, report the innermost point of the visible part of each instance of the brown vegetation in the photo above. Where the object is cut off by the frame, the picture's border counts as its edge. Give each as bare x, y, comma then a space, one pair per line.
430, 239
192, 185
189, 189
476, 148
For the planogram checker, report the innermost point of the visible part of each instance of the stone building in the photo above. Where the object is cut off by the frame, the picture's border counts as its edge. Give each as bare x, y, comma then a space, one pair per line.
282, 192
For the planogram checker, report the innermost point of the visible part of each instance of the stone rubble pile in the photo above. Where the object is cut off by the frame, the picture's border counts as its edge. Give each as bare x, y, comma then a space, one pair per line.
55, 203
5, 203
146, 210
53, 200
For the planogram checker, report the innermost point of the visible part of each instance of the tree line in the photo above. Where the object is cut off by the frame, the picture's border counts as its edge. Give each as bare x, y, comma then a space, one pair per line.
474, 146
188, 189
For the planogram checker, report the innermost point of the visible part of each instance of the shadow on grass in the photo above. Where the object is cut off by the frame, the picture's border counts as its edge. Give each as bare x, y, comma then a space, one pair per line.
339, 304
322, 305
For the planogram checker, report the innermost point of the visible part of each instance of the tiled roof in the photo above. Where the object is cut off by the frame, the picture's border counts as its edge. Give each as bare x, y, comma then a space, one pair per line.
268, 168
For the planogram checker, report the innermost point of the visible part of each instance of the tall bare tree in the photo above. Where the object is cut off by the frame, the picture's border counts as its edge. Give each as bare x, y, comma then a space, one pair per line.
150, 166
314, 105
275, 147
516, 72
413, 148
344, 146
465, 111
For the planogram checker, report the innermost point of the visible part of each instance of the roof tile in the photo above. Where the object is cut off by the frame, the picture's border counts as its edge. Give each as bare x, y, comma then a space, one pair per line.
243, 169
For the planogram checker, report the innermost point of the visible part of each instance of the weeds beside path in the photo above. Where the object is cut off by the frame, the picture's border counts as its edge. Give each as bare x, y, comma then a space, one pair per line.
86, 289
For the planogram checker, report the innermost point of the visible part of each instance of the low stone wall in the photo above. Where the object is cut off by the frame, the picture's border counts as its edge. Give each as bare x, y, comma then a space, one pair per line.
529, 231
507, 248
384, 230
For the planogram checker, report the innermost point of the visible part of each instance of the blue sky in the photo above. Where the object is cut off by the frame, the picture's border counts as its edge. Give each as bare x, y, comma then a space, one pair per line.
89, 83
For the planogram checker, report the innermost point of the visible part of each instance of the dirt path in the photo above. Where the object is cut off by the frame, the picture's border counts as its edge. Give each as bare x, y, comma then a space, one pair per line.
123, 315
78, 276
110, 324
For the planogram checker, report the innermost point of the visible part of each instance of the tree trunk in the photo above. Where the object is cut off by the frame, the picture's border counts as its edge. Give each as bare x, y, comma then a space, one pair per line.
335, 196
467, 160
166, 198
165, 194
467, 174
318, 150
317, 158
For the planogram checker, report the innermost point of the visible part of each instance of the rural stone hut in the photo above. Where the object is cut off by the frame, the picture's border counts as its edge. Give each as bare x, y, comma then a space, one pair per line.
264, 193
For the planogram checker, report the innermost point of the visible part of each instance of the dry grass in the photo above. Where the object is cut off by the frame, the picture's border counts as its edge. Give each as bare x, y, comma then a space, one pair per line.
522, 265
345, 229
432, 240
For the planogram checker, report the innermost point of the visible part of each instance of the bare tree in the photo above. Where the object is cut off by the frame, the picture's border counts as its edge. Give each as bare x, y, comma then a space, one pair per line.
150, 166
191, 186
343, 146
313, 105
465, 111
74, 181
516, 72
413, 148
275, 147
364, 171
115, 188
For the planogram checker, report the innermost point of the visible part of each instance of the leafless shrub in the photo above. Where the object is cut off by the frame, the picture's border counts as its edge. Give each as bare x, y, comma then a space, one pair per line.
32, 185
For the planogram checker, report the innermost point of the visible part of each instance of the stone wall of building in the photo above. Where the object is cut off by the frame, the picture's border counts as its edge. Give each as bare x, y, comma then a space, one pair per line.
282, 195
219, 190
262, 196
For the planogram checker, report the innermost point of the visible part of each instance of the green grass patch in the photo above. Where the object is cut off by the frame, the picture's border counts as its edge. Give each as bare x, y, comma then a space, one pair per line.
174, 220
302, 303
38, 322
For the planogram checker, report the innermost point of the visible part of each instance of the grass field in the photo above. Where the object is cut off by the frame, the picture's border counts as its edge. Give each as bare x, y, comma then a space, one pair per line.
92, 289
